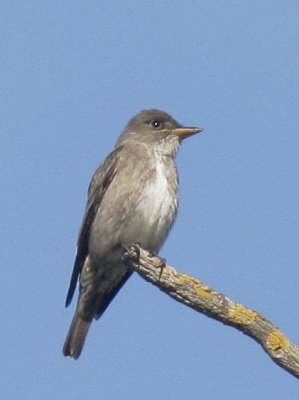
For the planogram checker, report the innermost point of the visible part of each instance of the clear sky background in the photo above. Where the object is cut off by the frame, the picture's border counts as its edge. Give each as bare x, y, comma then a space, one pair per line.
71, 75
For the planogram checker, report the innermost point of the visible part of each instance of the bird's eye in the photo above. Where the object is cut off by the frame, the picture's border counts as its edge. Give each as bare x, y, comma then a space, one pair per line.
156, 124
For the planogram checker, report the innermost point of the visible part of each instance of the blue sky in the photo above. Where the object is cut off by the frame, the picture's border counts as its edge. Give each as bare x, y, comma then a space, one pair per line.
71, 75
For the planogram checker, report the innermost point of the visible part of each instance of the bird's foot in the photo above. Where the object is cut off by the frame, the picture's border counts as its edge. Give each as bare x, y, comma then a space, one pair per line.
131, 257
162, 265
161, 262
131, 254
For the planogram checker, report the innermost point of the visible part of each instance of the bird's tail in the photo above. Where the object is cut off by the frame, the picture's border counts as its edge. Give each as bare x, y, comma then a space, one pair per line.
75, 339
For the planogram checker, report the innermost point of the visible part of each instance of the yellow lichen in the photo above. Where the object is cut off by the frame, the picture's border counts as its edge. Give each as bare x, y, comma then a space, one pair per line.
241, 314
200, 289
277, 341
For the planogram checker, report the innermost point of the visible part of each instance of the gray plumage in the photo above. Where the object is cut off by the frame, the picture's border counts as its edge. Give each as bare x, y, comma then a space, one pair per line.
132, 198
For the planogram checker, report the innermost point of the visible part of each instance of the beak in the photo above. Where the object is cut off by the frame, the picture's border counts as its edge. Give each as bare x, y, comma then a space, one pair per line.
183, 133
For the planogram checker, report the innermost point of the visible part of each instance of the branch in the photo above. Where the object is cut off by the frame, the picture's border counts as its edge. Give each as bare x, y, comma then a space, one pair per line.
202, 298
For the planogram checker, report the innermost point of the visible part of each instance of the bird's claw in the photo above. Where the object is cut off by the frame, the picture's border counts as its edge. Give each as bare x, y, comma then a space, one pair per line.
131, 253
162, 266
162, 263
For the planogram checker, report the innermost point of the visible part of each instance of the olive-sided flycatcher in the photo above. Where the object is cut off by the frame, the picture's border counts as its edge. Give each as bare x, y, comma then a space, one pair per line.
132, 198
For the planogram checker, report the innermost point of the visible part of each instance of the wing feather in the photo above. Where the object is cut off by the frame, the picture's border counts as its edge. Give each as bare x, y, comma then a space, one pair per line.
100, 182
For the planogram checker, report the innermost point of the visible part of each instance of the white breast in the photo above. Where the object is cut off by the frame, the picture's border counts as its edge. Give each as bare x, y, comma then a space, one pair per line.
158, 205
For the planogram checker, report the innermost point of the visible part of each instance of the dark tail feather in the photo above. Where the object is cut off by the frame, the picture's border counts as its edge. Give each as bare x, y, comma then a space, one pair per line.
75, 339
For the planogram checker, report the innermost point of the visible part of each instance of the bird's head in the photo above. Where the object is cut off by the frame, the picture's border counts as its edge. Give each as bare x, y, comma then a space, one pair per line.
155, 128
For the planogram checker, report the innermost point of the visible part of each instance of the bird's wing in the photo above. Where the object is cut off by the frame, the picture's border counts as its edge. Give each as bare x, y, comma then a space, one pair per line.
101, 180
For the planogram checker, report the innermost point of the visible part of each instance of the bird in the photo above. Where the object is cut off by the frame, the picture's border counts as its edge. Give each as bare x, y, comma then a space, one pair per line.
133, 197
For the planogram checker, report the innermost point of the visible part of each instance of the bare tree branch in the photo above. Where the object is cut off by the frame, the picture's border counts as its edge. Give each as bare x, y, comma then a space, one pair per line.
204, 299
